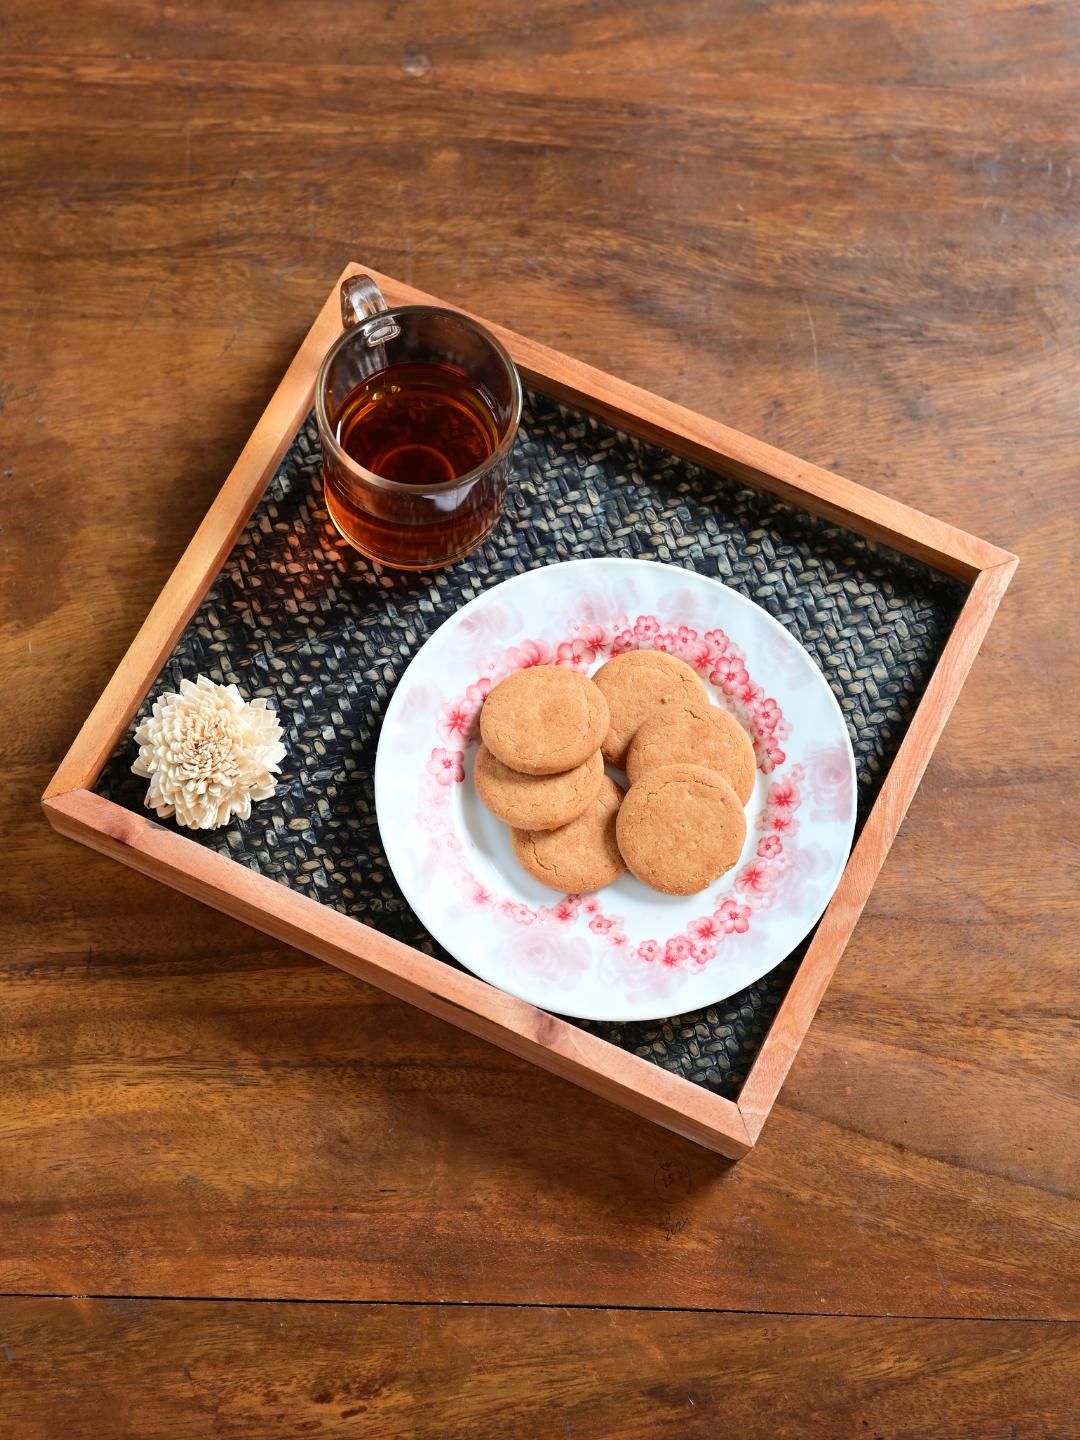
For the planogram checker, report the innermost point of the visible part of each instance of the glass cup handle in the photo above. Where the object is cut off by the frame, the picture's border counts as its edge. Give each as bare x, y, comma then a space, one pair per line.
361, 303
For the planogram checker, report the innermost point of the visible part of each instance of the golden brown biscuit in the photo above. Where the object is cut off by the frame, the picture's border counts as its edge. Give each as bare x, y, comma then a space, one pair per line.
536, 802
544, 720
580, 857
634, 684
693, 732
680, 827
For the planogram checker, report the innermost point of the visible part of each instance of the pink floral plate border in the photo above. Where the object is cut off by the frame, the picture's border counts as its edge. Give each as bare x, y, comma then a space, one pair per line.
625, 953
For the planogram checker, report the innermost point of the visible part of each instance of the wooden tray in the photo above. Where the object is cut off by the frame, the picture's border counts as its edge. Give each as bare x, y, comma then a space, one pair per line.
728, 1126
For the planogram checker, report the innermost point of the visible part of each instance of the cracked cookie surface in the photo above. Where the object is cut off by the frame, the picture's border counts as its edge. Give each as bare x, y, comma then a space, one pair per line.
634, 684
536, 802
692, 731
580, 857
680, 828
544, 720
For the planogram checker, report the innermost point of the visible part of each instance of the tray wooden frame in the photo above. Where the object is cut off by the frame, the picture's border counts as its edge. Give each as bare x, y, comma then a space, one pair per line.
729, 1127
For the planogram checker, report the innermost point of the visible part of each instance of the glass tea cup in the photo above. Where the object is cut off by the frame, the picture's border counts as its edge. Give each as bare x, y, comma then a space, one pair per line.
418, 409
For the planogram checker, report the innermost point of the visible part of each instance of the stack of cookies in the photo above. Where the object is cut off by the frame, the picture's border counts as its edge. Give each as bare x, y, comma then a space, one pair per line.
547, 732
691, 770
540, 768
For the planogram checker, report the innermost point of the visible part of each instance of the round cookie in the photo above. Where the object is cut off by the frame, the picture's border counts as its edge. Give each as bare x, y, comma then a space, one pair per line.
580, 857
536, 802
544, 720
693, 732
633, 685
680, 828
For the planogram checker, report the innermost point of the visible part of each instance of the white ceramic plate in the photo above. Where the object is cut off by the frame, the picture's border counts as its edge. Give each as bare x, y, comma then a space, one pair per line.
626, 953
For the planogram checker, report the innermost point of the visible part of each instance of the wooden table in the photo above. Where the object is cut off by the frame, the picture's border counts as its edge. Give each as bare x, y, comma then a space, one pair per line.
850, 230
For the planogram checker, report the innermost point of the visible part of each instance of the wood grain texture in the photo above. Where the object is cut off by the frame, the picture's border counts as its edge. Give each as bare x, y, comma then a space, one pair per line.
846, 230
800, 1005
195, 1369
969, 45
217, 1115
718, 447
202, 560
409, 975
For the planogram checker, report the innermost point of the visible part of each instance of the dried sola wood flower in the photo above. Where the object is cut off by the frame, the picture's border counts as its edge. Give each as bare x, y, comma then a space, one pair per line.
207, 754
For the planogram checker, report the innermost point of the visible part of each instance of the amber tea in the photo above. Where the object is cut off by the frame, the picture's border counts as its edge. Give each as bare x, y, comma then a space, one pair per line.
418, 409
418, 423
423, 425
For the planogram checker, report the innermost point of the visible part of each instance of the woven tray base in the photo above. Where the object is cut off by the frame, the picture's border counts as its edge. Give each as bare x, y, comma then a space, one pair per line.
296, 616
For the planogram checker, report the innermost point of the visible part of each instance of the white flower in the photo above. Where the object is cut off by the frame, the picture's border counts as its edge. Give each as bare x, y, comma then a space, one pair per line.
207, 754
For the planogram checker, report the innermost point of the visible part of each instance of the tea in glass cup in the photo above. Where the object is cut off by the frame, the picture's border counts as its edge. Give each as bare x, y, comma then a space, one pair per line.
418, 409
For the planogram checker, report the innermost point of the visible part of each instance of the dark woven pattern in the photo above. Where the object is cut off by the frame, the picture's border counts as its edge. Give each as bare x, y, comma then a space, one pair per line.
297, 617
